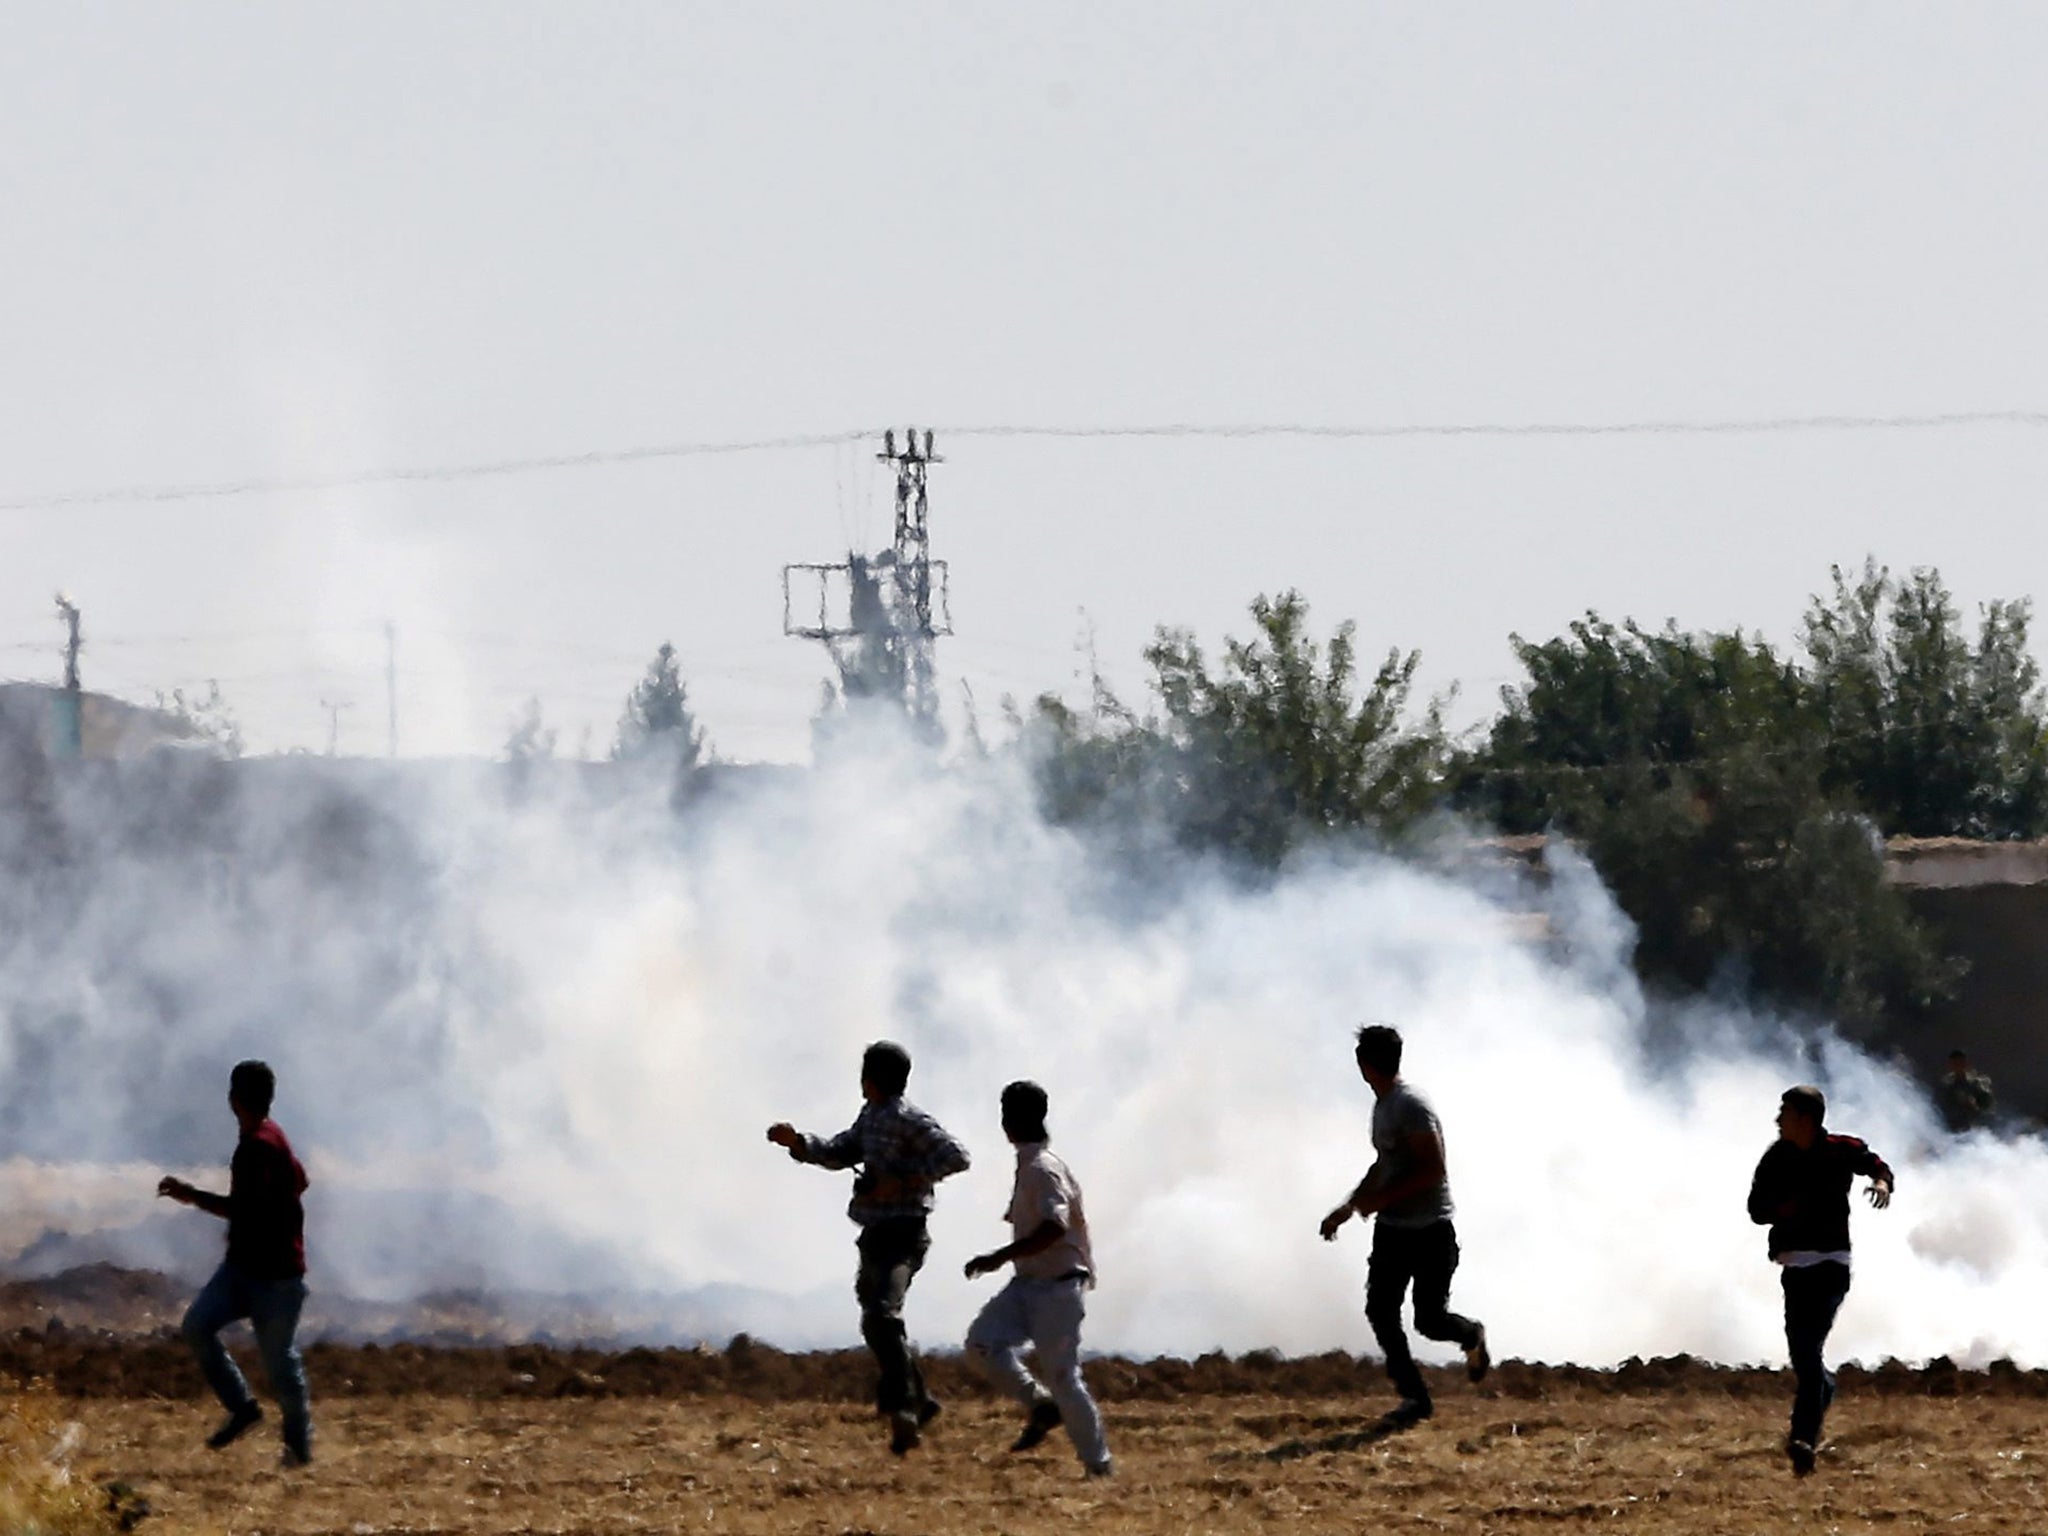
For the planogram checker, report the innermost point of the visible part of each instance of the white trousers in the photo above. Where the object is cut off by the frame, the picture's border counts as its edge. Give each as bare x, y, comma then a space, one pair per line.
1046, 1315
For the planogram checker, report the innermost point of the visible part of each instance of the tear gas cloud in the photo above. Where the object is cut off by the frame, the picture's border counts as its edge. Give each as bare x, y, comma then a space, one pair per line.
529, 1032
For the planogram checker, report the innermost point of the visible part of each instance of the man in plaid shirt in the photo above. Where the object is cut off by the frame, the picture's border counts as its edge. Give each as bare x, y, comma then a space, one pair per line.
901, 1152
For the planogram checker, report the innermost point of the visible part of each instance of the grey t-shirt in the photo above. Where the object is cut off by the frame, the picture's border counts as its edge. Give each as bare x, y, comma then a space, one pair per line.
1396, 1119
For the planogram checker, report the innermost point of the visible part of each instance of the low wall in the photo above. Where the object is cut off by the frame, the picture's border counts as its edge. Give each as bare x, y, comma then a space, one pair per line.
2000, 1011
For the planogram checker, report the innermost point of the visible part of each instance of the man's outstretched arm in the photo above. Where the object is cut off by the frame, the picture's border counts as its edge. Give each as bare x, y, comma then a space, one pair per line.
842, 1151
1879, 1172
199, 1199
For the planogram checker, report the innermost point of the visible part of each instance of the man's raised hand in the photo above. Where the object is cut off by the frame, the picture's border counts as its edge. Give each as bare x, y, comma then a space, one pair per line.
1880, 1193
783, 1134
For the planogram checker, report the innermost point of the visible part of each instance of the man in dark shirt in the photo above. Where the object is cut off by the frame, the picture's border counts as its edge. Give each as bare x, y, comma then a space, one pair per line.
1801, 1191
901, 1152
1408, 1190
263, 1277
1965, 1096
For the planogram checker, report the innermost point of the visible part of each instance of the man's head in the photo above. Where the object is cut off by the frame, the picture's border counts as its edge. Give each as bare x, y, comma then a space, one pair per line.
1379, 1054
1024, 1107
1802, 1115
884, 1070
252, 1087
1958, 1064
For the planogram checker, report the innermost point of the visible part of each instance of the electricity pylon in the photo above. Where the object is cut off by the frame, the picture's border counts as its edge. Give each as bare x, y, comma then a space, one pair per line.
879, 614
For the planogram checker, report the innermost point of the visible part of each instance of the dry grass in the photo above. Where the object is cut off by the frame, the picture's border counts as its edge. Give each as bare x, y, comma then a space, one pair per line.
1689, 1460
41, 1492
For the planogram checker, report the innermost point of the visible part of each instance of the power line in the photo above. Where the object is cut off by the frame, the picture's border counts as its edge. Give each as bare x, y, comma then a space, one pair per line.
220, 489
595, 458
1734, 426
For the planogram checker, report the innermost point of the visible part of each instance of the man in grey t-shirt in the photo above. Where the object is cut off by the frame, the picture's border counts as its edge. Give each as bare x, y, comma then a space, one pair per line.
1413, 1240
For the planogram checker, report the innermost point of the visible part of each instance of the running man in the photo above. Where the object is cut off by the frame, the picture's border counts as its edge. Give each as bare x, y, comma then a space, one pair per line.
1408, 1190
263, 1277
1044, 1302
1801, 1191
901, 1152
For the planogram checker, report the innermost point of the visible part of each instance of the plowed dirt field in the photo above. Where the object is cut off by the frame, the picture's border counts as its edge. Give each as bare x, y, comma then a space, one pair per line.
526, 1438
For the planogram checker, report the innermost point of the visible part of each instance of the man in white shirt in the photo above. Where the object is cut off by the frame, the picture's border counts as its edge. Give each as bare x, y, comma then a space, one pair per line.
1044, 1302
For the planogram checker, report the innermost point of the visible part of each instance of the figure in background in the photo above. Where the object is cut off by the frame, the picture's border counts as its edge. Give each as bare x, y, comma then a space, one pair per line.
1801, 1191
901, 1153
1964, 1095
263, 1277
1408, 1191
1046, 1298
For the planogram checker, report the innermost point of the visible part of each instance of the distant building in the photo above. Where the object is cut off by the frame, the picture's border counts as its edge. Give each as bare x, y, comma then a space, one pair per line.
108, 727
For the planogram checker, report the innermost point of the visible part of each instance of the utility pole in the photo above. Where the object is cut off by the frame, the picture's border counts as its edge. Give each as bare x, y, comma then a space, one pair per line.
334, 707
391, 683
878, 615
71, 705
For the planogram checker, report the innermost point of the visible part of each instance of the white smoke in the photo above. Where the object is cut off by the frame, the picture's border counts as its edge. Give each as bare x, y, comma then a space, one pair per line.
531, 1036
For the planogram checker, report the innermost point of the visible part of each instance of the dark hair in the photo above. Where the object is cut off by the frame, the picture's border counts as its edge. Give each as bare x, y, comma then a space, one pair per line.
253, 1086
1809, 1101
1025, 1103
887, 1065
1379, 1048
1958, 1055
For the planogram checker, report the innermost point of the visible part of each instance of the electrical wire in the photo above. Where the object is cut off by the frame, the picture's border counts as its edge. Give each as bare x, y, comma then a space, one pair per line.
595, 458
1649, 427
219, 490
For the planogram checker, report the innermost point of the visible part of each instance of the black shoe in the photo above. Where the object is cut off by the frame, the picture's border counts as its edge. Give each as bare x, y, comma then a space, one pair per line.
928, 1411
1410, 1410
298, 1446
1478, 1361
1800, 1454
903, 1433
234, 1426
1045, 1418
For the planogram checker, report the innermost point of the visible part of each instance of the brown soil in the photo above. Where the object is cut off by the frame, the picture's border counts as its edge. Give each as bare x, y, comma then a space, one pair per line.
525, 1438
1658, 1462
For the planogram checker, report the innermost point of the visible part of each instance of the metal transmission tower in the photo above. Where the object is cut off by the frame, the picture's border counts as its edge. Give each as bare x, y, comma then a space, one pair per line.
879, 614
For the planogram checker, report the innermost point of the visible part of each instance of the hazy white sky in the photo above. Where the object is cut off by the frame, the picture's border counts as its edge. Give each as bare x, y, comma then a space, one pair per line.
255, 241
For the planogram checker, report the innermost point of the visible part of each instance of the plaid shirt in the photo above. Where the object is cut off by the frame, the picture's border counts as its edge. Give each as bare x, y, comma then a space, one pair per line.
889, 1141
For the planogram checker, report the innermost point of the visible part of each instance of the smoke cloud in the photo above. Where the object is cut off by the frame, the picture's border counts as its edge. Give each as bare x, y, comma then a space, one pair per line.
530, 1027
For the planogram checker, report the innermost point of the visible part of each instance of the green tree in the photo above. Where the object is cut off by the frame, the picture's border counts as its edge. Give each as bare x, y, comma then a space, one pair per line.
1275, 743
1692, 769
530, 741
207, 716
658, 722
1933, 735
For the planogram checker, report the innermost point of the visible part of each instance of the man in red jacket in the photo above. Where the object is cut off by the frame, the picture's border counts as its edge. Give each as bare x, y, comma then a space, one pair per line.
263, 1277
1801, 1191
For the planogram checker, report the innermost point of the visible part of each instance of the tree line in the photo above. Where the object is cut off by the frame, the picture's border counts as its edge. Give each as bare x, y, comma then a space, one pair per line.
1734, 797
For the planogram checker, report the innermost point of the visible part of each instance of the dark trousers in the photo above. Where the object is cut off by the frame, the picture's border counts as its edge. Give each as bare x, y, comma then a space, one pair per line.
1427, 1257
891, 1253
1813, 1294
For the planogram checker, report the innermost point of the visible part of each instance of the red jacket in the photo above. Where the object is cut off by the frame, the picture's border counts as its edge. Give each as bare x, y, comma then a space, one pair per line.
266, 1219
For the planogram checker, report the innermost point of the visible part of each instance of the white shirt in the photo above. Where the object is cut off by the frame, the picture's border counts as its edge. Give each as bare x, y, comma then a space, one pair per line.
1046, 1191
1806, 1258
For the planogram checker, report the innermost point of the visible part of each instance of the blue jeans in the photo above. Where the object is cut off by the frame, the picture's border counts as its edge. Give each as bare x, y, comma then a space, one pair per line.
1812, 1297
272, 1307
